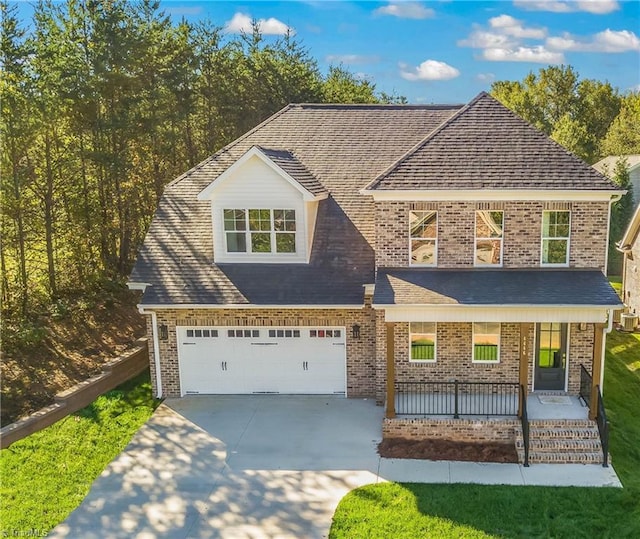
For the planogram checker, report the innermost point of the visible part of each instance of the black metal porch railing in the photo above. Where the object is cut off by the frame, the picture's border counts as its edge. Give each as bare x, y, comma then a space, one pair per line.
603, 428
457, 398
586, 385
524, 420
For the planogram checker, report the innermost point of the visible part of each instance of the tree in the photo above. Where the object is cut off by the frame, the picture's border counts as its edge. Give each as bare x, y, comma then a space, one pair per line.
342, 86
623, 135
575, 113
621, 213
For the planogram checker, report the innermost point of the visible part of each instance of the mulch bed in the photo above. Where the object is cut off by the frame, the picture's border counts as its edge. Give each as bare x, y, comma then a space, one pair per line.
401, 448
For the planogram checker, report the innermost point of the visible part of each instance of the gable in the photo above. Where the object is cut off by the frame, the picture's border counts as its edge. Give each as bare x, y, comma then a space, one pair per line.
487, 146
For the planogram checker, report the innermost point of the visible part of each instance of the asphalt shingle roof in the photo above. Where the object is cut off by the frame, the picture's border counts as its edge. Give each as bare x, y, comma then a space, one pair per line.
494, 287
343, 147
294, 168
487, 146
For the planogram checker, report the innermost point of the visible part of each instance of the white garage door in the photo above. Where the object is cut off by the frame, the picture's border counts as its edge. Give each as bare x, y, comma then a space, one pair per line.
262, 360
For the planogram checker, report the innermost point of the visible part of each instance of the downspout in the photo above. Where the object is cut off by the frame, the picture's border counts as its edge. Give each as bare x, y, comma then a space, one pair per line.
605, 331
156, 349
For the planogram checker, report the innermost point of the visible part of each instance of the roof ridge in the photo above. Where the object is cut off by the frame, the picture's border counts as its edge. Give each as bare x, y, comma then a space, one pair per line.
421, 143
228, 146
408, 106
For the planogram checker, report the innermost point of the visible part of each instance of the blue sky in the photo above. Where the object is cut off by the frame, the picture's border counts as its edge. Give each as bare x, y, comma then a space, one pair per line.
446, 51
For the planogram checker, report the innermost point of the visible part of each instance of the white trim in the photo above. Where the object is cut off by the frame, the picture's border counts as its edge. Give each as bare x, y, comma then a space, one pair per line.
441, 195
495, 313
208, 192
133, 285
473, 344
159, 306
156, 348
475, 241
544, 264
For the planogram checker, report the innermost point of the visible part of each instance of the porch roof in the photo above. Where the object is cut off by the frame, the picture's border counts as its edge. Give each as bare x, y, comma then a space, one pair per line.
500, 288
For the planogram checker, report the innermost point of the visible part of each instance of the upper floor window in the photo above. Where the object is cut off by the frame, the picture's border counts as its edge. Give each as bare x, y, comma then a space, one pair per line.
422, 336
489, 230
486, 342
260, 230
556, 228
423, 237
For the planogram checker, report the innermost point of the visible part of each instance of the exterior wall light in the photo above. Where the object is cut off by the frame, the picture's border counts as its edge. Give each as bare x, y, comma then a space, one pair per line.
164, 332
355, 331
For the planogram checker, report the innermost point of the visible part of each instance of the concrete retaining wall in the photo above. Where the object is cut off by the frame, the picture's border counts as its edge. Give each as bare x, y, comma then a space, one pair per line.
73, 399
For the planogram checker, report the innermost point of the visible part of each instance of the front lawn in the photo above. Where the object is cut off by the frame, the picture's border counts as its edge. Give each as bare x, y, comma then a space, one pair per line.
464, 511
46, 475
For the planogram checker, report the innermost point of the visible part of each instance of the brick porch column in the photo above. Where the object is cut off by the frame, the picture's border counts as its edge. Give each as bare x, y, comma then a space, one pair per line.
525, 334
391, 372
596, 368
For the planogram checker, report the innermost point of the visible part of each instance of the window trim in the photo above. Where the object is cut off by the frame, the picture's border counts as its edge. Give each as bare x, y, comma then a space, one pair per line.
476, 238
273, 233
435, 343
567, 239
473, 344
435, 240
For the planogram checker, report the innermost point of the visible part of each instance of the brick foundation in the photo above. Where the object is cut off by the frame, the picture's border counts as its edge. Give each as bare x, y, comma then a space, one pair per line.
457, 430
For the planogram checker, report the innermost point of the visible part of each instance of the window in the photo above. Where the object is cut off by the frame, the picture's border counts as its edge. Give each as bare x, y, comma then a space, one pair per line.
202, 333
489, 229
423, 237
486, 342
556, 227
260, 230
325, 333
422, 336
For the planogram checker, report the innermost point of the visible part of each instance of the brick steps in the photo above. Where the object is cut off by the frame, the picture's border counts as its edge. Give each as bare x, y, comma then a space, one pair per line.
562, 442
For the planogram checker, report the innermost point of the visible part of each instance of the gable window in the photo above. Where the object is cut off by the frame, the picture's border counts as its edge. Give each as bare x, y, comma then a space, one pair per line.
260, 230
489, 230
422, 336
486, 342
423, 237
556, 227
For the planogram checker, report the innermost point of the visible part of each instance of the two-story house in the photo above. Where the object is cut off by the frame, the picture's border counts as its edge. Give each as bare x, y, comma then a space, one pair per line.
446, 260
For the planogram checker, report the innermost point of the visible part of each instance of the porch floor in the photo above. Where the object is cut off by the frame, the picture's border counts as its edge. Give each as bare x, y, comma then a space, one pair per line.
549, 407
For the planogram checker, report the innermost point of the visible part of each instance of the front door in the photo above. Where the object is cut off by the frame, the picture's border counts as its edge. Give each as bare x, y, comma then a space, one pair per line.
551, 356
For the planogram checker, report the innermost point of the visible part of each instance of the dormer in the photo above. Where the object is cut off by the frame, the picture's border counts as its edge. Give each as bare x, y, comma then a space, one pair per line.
264, 208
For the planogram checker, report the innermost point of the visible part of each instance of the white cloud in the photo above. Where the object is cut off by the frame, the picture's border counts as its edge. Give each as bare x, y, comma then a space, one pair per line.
607, 41
429, 70
513, 27
481, 39
352, 59
485, 77
537, 54
242, 23
405, 10
597, 7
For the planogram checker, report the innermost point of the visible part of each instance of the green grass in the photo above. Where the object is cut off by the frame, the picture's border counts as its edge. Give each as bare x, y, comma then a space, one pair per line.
464, 511
616, 282
46, 475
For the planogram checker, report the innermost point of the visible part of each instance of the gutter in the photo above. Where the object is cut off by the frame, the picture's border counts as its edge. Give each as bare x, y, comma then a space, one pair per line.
156, 348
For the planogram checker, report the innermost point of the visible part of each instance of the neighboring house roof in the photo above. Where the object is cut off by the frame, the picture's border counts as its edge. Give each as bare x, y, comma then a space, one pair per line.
608, 164
487, 146
494, 287
631, 234
343, 147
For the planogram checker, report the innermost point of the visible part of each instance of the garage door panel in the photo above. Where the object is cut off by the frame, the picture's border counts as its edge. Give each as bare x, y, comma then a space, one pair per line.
262, 360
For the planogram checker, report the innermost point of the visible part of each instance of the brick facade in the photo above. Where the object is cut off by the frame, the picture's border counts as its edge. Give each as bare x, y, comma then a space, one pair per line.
631, 278
521, 237
360, 351
457, 430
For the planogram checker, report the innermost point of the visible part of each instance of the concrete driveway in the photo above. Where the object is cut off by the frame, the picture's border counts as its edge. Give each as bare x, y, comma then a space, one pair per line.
234, 467
266, 466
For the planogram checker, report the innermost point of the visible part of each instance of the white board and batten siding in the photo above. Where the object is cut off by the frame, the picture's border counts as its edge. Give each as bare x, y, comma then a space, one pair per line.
245, 360
256, 185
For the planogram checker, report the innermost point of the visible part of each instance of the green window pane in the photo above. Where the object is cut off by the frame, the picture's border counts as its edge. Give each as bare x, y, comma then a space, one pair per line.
554, 251
260, 242
285, 243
